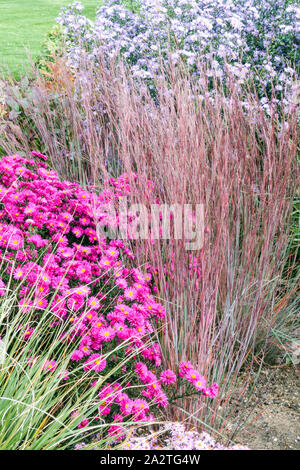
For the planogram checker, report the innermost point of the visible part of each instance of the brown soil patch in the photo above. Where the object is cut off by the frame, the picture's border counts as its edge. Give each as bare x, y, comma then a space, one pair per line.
270, 414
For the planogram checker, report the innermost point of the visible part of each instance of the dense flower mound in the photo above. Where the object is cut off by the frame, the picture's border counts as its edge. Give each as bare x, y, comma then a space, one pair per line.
177, 438
173, 436
256, 39
55, 256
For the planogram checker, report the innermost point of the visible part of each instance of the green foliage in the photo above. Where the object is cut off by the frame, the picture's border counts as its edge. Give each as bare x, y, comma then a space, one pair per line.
43, 412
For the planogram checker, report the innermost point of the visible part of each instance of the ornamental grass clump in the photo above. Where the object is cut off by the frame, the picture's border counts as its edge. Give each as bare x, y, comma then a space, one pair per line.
170, 436
227, 299
57, 260
175, 436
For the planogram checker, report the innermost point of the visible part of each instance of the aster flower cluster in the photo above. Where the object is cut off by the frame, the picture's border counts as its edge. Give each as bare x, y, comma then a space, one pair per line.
56, 257
256, 39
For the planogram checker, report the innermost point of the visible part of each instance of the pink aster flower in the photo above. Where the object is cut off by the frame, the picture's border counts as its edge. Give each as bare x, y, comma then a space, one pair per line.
161, 399
64, 375
138, 276
37, 240
42, 290
148, 277
16, 242
126, 405
140, 406
118, 432
106, 334
25, 305
94, 383
45, 278
142, 371
122, 330
41, 304
104, 409
141, 288
77, 355
18, 273
184, 367
2, 288
85, 221
121, 283
193, 376
85, 349
82, 291
105, 263
83, 423
93, 303
60, 239
200, 383
78, 232
27, 334
91, 316
84, 272
112, 253
105, 391
118, 273
66, 252
212, 392
118, 417
75, 302
130, 293
74, 414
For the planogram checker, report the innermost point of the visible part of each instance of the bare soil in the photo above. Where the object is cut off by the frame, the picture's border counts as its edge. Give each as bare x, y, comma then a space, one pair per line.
270, 414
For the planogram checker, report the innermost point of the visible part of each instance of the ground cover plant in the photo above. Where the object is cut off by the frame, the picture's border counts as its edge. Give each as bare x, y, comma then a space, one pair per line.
161, 332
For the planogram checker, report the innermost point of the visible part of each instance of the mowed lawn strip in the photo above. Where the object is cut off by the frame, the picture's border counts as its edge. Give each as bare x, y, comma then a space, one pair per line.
24, 24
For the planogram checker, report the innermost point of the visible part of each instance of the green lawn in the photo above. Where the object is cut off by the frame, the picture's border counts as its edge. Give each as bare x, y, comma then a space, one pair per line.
23, 25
